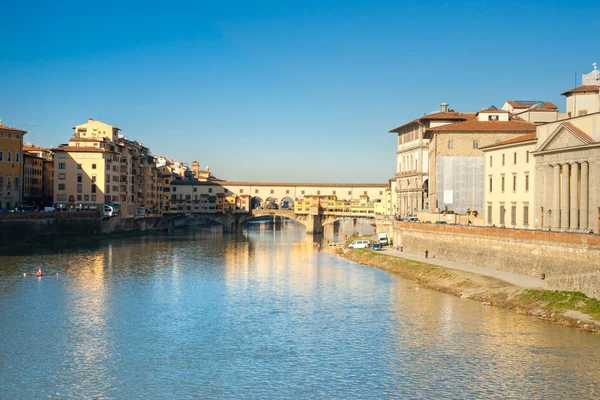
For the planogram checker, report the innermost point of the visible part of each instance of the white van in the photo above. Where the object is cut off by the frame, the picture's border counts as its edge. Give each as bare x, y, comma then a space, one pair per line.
383, 239
359, 244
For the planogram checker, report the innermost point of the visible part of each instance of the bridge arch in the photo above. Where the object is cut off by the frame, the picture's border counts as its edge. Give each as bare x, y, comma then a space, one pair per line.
271, 203
287, 203
256, 203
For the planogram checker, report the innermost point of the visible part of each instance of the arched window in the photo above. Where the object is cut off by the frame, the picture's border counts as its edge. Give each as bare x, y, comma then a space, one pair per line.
17, 182
17, 157
9, 156
8, 181
1, 156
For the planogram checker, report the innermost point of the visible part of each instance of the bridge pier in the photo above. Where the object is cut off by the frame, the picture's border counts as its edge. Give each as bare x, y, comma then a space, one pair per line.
314, 224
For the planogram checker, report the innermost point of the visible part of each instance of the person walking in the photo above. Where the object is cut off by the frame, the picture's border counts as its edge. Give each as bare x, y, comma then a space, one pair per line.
426, 253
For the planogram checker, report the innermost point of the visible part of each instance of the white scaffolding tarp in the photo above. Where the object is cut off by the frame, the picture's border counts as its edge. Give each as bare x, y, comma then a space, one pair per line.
459, 183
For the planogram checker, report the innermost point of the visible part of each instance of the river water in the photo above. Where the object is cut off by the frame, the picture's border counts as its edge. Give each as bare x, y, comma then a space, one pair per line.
263, 314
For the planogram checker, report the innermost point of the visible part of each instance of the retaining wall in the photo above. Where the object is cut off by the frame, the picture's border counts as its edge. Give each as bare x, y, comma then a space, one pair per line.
569, 261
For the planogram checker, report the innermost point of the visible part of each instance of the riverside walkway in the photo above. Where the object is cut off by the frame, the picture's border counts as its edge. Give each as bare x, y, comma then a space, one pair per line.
524, 281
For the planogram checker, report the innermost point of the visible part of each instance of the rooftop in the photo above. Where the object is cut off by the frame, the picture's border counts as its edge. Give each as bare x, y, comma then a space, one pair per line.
520, 139
523, 104
487, 126
582, 89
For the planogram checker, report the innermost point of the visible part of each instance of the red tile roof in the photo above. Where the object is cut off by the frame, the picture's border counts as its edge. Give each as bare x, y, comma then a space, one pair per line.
538, 109
584, 136
8, 128
520, 139
582, 89
402, 127
516, 104
487, 126
451, 115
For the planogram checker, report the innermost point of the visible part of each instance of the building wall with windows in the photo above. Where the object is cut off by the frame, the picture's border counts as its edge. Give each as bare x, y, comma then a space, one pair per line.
11, 167
84, 177
33, 175
510, 183
456, 161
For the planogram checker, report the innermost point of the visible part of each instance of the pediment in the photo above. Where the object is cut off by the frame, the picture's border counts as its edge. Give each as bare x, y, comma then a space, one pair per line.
565, 137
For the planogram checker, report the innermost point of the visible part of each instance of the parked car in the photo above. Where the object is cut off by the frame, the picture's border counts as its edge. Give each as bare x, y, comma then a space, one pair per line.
359, 244
376, 247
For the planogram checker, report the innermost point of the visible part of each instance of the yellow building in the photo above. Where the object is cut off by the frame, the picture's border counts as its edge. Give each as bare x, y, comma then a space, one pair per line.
11, 167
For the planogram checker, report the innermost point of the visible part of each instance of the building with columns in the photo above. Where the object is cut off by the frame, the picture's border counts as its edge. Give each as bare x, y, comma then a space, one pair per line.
568, 174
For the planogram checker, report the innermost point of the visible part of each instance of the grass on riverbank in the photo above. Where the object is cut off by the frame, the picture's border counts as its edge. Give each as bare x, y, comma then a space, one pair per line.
576, 301
550, 305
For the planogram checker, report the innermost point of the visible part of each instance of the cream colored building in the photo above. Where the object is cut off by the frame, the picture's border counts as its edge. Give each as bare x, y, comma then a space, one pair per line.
568, 174
100, 166
456, 163
510, 182
584, 99
412, 159
537, 112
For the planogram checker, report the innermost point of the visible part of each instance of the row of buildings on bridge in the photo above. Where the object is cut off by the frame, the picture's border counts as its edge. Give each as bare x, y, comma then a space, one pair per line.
100, 166
523, 165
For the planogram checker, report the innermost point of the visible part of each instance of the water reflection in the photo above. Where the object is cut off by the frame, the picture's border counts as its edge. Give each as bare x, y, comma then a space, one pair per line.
264, 314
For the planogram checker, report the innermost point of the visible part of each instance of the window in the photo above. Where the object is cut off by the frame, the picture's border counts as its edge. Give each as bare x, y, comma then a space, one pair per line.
450, 144
514, 182
334, 192
86, 197
502, 184
79, 188
349, 193
78, 166
61, 197
287, 191
78, 197
93, 197
489, 214
503, 159
17, 182
62, 176
513, 214
526, 214
303, 192
492, 118
241, 191
527, 157
93, 166
61, 186
17, 156
209, 190
256, 191
1, 155
272, 191
62, 165
173, 188
318, 192
9, 159
93, 177
195, 190
490, 184
490, 161
93, 188
527, 182
475, 144
515, 158
502, 212
79, 178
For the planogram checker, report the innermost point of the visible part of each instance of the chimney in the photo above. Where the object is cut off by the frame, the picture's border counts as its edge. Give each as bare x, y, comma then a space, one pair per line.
444, 107
90, 119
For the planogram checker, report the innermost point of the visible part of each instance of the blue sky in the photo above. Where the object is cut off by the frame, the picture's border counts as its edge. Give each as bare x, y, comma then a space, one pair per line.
280, 91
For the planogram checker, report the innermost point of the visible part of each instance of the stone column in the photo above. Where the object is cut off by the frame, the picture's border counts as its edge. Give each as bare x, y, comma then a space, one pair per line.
564, 206
555, 217
574, 206
583, 216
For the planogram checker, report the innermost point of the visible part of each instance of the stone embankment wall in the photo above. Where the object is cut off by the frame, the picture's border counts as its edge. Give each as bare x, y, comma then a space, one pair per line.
18, 227
569, 261
142, 224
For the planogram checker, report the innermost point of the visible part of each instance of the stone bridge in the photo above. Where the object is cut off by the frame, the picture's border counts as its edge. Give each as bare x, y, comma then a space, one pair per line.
233, 221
